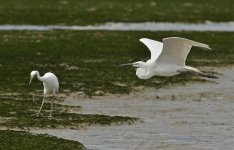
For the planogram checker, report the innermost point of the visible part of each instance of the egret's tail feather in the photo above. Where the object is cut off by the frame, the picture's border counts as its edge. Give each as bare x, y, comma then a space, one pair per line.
196, 72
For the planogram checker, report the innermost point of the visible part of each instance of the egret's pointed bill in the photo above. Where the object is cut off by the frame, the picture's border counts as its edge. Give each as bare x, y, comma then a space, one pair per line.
128, 64
30, 80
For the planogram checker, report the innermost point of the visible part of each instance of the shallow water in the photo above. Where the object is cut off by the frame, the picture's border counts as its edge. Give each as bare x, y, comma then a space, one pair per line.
200, 118
144, 26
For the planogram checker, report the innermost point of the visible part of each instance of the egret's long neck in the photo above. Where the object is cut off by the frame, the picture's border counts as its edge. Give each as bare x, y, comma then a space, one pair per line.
39, 77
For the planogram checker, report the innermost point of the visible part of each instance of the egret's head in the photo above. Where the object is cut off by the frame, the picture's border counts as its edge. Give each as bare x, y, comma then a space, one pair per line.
138, 64
33, 74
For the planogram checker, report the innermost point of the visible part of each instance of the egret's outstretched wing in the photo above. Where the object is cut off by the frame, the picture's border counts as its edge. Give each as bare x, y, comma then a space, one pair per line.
155, 47
175, 50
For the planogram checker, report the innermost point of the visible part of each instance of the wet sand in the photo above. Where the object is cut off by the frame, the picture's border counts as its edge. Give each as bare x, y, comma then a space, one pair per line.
201, 117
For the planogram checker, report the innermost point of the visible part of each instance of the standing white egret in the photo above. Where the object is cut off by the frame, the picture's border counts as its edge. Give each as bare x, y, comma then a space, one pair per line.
51, 85
167, 58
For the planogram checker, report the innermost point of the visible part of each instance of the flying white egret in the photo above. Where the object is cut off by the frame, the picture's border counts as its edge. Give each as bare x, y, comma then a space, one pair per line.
51, 85
167, 58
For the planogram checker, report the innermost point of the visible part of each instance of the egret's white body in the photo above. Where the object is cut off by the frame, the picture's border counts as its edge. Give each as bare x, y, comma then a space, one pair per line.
50, 83
167, 58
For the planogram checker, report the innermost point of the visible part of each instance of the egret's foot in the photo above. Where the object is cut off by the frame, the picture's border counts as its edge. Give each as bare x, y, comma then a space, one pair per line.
40, 114
50, 116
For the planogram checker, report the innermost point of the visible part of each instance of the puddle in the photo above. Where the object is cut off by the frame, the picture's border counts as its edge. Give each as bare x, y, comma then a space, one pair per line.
143, 26
200, 118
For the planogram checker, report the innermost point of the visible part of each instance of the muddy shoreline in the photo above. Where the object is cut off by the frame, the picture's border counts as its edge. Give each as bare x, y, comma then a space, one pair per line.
200, 117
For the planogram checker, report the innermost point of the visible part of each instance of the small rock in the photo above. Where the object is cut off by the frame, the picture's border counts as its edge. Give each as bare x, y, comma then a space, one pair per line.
66, 91
173, 97
157, 97
80, 92
203, 98
12, 113
72, 68
197, 100
219, 98
99, 92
